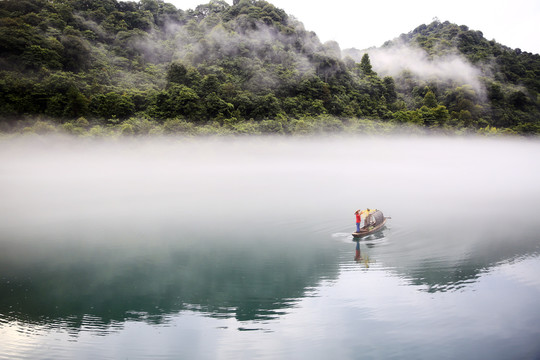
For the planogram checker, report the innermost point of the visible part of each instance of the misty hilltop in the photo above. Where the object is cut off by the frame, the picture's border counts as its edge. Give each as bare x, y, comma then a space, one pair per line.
99, 67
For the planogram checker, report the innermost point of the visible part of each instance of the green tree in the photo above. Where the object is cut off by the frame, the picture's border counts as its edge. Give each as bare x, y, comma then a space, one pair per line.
76, 53
217, 107
266, 106
430, 100
178, 100
177, 74
390, 89
365, 65
36, 57
77, 104
210, 84
112, 106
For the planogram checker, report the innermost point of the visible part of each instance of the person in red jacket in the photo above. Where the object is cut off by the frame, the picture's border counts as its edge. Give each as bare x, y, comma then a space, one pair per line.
358, 220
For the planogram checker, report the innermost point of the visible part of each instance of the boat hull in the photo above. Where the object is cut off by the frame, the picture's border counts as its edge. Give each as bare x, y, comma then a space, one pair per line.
365, 231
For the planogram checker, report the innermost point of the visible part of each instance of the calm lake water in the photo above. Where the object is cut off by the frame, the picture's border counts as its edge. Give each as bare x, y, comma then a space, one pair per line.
241, 249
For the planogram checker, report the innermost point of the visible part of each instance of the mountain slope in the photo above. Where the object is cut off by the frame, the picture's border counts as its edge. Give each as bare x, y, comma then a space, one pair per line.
111, 63
507, 65
479, 81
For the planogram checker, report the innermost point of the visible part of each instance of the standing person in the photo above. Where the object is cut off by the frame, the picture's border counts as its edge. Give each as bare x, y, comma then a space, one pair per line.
367, 217
358, 220
364, 214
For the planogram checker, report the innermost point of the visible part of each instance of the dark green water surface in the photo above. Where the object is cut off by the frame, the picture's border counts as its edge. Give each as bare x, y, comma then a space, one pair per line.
241, 249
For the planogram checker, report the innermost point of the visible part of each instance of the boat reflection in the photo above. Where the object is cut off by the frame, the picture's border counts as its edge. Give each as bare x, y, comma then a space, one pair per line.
357, 254
358, 257
371, 240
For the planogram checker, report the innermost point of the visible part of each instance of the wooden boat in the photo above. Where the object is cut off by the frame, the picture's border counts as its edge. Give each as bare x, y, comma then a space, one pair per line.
377, 223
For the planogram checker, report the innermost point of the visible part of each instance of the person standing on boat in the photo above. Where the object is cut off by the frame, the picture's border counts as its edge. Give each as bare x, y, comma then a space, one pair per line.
358, 219
368, 218
365, 215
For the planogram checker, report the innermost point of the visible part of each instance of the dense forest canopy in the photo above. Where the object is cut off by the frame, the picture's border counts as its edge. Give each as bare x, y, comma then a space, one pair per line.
94, 66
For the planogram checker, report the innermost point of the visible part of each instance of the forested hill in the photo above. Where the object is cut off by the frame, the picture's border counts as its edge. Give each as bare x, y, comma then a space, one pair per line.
104, 66
478, 81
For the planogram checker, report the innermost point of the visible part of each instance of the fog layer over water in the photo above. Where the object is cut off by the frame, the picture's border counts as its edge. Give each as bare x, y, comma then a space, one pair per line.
254, 234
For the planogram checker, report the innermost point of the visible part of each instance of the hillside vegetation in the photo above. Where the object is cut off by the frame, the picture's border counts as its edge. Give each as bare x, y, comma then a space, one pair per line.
102, 67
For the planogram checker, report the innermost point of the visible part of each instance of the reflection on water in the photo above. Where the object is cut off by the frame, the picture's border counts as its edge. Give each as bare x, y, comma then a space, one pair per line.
249, 242
362, 258
357, 253
434, 266
250, 279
